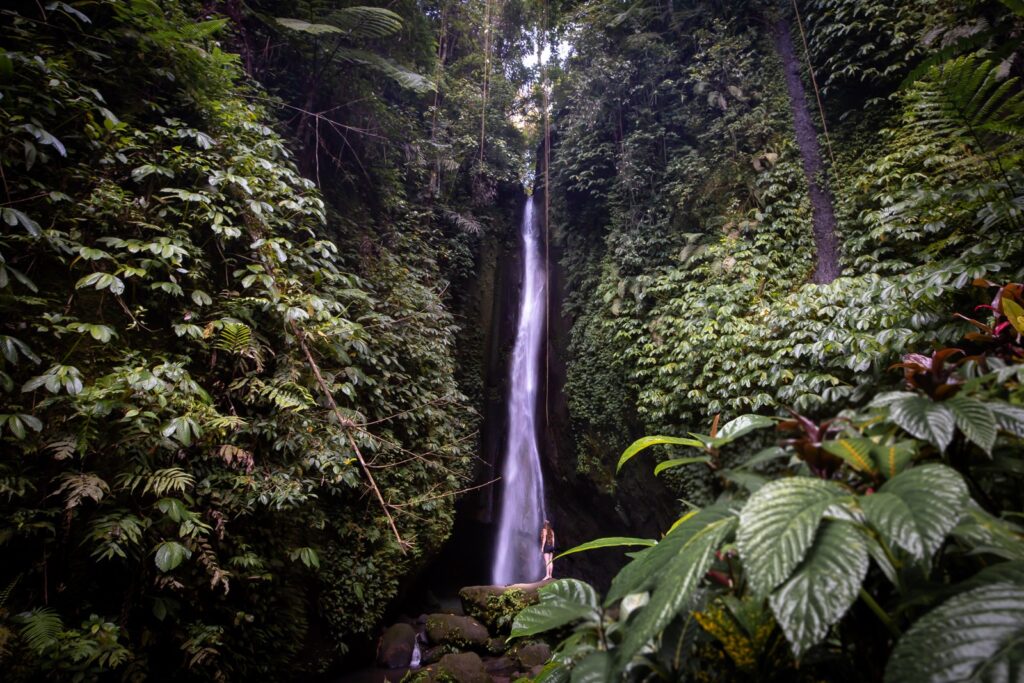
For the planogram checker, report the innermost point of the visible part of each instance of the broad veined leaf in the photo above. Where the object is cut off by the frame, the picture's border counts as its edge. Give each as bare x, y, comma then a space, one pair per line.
170, 554
609, 542
975, 420
646, 568
763, 456
823, 587
677, 585
855, 452
741, 426
985, 533
777, 527
648, 441
594, 668
976, 636
561, 602
894, 521
891, 459
679, 462
1014, 313
935, 495
925, 419
751, 481
1009, 418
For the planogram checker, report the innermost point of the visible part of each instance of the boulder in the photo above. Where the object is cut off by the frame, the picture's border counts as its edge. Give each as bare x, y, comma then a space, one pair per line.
462, 632
466, 667
502, 666
433, 654
533, 654
497, 606
396, 645
496, 646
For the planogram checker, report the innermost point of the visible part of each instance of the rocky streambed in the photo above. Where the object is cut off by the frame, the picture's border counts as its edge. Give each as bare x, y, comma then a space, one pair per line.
467, 645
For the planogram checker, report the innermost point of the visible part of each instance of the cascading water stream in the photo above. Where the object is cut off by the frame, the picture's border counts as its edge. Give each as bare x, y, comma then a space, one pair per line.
518, 557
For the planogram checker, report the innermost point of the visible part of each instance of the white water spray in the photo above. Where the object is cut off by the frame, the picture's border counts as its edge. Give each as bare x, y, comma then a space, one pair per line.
518, 558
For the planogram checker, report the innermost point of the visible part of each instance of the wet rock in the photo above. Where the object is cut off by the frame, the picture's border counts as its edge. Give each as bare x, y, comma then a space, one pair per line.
496, 646
396, 646
462, 632
502, 666
466, 667
533, 654
497, 606
432, 655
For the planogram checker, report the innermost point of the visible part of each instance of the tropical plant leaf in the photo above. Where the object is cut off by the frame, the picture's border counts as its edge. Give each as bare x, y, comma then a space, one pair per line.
823, 587
403, 76
561, 602
366, 22
648, 441
40, 628
594, 668
934, 494
1009, 418
975, 636
609, 542
763, 456
925, 419
855, 452
679, 462
680, 578
741, 426
170, 554
894, 521
975, 420
777, 527
647, 567
307, 27
983, 532
893, 458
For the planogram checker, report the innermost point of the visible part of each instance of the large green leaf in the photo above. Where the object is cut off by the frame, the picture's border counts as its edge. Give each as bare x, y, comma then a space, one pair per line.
561, 602
366, 22
976, 636
823, 587
1009, 418
648, 441
894, 521
975, 420
935, 495
594, 668
984, 533
170, 554
307, 27
647, 567
679, 462
891, 459
925, 419
675, 589
403, 76
855, 452
777, 527
609, 542
741, 426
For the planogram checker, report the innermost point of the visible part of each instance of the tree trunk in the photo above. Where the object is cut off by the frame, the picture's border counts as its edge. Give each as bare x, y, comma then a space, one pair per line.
822, 203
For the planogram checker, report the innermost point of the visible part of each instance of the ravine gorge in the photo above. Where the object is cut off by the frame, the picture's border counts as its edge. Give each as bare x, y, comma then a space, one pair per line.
328, 329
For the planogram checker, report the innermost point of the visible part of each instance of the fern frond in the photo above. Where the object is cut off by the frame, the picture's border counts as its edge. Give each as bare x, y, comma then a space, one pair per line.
40, 628
366, 22
234, 338
406, 78
77, 486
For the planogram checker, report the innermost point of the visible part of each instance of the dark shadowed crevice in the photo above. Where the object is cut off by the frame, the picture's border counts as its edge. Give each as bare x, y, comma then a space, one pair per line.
822, 209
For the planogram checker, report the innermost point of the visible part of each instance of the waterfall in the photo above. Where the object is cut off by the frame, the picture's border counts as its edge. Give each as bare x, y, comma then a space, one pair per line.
518, 557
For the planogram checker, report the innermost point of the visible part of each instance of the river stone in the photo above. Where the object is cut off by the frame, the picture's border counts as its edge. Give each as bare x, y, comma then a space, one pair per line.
497, 606
533, 654
396, 646
450, 629
502, 666
466, 667
496, 646
432, 655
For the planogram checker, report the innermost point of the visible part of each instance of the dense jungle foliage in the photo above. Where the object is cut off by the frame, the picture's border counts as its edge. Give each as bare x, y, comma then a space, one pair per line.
233, 419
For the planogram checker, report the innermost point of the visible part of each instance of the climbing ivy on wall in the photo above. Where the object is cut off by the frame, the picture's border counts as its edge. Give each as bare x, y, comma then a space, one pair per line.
697, 298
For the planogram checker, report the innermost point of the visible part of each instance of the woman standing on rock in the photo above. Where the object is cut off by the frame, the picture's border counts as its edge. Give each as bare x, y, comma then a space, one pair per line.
547, 548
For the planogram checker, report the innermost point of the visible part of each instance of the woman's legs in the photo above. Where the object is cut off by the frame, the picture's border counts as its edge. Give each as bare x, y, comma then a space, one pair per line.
549, 561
